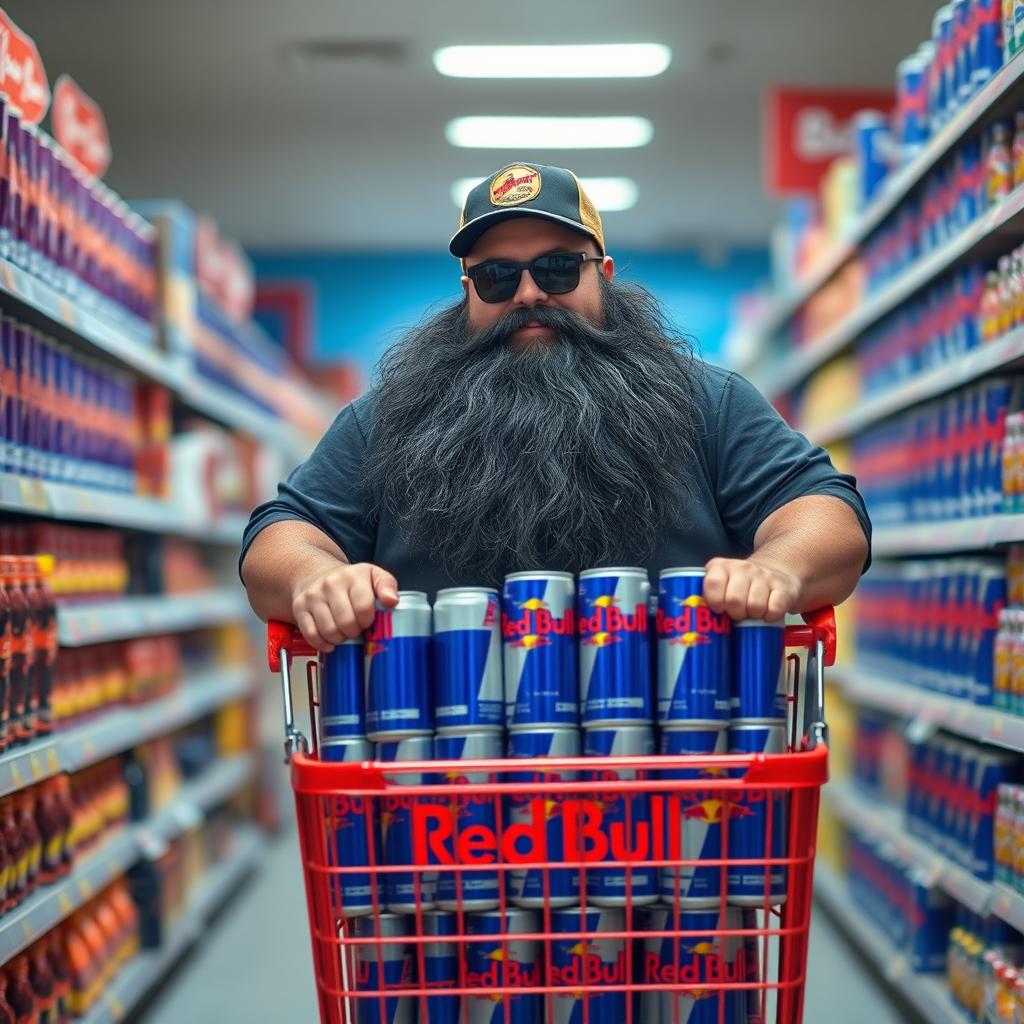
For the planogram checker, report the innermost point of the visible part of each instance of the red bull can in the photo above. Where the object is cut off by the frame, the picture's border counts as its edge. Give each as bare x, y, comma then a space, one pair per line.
699, 960
469, 890
539, 823
343, 693
693, 822
585, 959
441, 966
987, 46
614, 646
756, 825
623, 820
468, 689
693, 653
538, 631
501, 960
405, 892
384, 969
759, 684
397, 655
352, 828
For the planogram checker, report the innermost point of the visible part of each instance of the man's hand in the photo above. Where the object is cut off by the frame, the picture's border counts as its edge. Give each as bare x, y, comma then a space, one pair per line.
746, 588
337, 604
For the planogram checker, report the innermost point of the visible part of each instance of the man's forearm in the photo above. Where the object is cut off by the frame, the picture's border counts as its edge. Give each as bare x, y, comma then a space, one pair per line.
279, 559
819, 540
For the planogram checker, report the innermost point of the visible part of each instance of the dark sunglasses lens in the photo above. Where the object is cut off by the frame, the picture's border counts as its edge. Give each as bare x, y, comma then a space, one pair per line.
557, 273
496, 281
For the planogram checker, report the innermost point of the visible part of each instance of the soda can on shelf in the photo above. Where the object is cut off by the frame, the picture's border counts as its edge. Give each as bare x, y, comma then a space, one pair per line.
693, 653
693, 821
397, 654
912, 93
614, 654
415, 890
467, 814
624, 827
468, 688
537, 814
759, 683
583, 961
496, 958
756, 825
343, 693
538, 629
942, 38
987, 52
384, 968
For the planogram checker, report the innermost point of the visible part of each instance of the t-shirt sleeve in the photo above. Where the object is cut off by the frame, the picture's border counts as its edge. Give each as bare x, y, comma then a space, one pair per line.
328, 491
762, 464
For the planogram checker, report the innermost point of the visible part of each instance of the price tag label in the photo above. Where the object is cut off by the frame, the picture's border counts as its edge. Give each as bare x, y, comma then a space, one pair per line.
920, 730
116, 1007
36, 766
997, 727
88, 747
27, 930
85, 888
9, 279
16, 776
65, 904
52, 761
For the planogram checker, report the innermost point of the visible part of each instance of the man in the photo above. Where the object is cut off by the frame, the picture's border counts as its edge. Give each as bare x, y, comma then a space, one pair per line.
549, 421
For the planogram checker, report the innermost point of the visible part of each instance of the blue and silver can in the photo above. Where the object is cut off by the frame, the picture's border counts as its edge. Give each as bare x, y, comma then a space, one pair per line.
693, 821
585, 960
398, 695
405, 892
693, 653
470, 813
757, 825
441, 966
759, 684
625, 824
385, 969
498, 963
538, 817
468, 689
707, 963
354, 844
343, 692
538, 631
614, 644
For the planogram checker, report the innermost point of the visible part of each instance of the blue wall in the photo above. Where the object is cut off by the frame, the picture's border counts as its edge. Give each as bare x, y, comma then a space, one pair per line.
365, 301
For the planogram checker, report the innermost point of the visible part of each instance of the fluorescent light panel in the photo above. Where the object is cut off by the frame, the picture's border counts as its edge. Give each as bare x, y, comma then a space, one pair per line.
608, 194
549, 132
617, 60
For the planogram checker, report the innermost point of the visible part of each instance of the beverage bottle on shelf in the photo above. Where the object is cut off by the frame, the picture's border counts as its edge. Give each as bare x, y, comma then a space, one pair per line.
96, 939
54, 943
83, 969
19, 991
17, 856
988, 308
1005, 295
44, 985
46, 646
50, 823
998, 164
24, 806
1002, 675
27, 712
1018, 149
6, 1010
62, 786
128, 914
21, 649
110, 924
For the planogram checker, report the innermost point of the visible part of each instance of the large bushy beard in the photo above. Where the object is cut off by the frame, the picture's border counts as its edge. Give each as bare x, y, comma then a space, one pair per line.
494, 456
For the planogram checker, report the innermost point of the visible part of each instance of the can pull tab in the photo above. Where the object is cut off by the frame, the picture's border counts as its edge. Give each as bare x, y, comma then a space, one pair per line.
284, 641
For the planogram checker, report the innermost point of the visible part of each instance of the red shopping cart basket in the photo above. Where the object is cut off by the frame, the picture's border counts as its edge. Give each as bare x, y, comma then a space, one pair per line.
672, 889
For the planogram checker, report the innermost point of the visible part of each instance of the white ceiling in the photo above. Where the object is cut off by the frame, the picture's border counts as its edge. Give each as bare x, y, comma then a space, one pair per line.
204, 103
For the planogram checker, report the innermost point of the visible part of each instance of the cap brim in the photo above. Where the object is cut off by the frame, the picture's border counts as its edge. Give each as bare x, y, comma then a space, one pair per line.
464, 240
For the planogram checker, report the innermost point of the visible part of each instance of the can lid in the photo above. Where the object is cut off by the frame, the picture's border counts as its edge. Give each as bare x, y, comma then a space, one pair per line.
604, 570
465, 590
534, 574
692, 570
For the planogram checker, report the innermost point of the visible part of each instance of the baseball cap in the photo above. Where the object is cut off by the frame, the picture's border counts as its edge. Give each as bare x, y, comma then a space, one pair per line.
526, 190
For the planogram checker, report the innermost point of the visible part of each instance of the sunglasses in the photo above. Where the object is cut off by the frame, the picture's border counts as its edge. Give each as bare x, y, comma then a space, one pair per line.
556, 273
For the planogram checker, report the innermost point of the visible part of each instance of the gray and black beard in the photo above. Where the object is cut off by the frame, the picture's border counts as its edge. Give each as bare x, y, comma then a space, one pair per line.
493, 456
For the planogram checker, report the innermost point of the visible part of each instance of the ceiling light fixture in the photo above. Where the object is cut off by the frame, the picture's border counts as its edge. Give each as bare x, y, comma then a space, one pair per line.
608, 194
615, 60
549, 132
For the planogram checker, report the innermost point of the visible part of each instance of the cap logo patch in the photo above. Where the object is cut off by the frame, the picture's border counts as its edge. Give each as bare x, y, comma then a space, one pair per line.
515, 185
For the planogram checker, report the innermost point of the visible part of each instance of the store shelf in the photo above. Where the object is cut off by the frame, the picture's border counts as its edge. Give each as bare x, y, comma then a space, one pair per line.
878, 822
798, 362
927, 994
92, 505
1008, 905
143, 973
970, 534
997, 98
133, 616
1004, 354
118, 852
121, 729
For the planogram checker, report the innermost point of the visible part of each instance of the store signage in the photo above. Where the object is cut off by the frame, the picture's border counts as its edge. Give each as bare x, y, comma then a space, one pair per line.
80, 127
22, 75
806, 129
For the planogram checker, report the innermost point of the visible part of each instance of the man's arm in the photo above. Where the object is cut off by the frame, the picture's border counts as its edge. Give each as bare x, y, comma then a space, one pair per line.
295, 572
807, 554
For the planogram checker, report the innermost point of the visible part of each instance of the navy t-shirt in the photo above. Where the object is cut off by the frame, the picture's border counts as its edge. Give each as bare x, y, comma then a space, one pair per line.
749, 463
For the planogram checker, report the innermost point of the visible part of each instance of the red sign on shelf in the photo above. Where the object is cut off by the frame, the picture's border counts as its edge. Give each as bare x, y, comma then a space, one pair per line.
80, 127
22, 75
806, 129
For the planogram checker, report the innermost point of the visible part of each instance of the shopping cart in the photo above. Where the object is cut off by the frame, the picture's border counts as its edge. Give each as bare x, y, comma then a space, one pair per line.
660, 963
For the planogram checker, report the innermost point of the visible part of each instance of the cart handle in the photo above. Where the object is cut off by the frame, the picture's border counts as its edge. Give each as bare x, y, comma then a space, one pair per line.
820, 626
